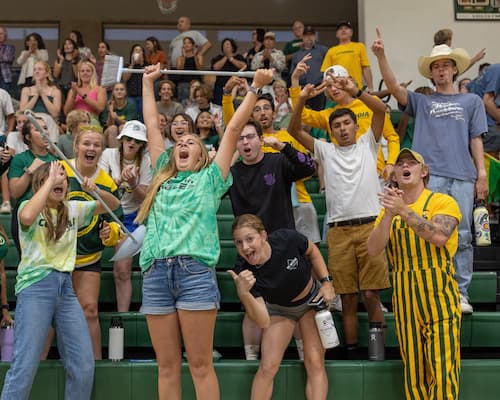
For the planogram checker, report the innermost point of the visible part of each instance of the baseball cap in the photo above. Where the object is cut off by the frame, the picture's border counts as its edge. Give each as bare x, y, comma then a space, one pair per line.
416, 156
309, 30
270, 34
343, 23
338, 71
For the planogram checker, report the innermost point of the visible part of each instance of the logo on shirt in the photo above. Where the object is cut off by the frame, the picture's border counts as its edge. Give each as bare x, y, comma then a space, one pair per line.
270, 179
292, 264
448, 109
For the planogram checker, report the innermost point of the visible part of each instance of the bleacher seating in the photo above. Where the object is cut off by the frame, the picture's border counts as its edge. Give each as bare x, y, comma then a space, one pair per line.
135, 377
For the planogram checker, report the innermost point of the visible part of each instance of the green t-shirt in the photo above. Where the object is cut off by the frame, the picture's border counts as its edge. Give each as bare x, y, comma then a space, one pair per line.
127, 113
40, 256
16, 170
183, 217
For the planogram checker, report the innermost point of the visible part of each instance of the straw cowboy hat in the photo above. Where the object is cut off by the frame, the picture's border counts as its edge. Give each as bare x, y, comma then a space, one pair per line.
444, 52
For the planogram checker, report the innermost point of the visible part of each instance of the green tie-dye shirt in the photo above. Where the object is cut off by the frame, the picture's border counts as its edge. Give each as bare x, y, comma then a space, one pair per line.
40, 255
183, 218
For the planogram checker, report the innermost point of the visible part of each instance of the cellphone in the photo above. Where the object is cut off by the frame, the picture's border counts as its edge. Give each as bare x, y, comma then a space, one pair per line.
316, 303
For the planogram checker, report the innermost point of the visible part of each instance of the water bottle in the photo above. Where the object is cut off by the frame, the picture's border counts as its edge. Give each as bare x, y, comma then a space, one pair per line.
326, 327
482, 224
376, 346
116, 339
7, 342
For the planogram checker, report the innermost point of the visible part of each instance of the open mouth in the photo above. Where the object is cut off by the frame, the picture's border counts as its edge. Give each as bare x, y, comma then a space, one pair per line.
58, 190
90, 157
183, 154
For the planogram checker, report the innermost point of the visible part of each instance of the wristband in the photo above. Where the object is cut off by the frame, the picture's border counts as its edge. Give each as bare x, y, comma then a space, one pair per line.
254, 90
357, 95
327, 278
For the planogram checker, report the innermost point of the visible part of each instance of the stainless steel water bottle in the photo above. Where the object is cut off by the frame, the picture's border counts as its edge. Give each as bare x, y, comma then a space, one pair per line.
116, 334
326, 328
376, 345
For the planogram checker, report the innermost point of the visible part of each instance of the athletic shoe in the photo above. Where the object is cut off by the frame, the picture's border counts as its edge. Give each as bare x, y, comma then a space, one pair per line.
465, 305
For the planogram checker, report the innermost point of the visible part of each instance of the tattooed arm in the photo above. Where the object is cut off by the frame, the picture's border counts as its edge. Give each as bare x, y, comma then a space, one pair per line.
436, 231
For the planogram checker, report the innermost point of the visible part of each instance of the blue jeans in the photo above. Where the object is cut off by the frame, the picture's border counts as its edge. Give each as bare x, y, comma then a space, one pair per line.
50, 301
463, 193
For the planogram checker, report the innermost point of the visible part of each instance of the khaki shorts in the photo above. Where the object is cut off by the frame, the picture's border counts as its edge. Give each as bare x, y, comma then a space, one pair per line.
350, 265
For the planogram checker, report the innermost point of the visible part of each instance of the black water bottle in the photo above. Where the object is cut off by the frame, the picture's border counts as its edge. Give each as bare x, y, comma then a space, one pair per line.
376, 345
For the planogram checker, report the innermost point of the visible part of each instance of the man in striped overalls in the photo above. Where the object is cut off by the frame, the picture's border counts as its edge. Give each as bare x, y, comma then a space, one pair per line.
418, 229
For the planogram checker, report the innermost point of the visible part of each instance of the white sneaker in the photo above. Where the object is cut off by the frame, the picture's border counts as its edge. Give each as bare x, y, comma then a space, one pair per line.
5, 208
336, 304
465, 305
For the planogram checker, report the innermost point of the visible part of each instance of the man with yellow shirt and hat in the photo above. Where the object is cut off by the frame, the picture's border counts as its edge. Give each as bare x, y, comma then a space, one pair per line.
418, 230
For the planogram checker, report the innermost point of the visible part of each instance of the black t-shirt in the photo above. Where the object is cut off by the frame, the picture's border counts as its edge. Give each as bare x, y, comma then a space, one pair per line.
264, 188
228, 67
285, 275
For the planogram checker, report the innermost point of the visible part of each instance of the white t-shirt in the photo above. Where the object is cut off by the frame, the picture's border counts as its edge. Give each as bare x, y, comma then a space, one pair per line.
15, 141
6, 109
351, 180
110, 162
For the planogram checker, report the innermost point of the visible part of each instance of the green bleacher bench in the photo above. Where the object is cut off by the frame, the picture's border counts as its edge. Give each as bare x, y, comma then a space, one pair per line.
482, 289
348, 380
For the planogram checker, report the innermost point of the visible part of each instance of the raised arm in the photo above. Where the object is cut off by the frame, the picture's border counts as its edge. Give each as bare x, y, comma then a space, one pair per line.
399, 92
372, 102
150, 112
295, 125
232, 133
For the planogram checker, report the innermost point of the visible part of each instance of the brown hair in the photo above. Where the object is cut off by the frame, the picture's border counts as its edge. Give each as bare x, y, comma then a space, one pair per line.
166, 173
248, 221
54, 232
443, 36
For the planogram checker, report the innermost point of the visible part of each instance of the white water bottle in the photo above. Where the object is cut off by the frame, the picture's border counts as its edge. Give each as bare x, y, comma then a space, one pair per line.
116, 339
482, 224
326, 328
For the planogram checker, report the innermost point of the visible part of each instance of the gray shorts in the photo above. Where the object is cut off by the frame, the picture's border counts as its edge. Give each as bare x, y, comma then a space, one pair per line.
294, 312
306, 221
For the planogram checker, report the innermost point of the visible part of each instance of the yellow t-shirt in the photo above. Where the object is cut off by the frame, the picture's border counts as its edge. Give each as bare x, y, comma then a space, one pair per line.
351, 56
407, 251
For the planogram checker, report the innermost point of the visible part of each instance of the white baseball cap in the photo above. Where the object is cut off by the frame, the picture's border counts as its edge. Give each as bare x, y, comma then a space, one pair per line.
338, 71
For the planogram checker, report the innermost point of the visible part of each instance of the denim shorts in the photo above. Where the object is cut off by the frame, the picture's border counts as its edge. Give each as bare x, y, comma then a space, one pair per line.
179, 283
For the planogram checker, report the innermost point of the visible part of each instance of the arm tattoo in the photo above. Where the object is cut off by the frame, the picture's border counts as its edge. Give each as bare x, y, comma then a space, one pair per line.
445, 224
419, 223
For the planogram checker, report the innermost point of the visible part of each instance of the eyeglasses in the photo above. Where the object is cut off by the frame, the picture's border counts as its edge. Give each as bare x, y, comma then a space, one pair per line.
180, 123
130, 139
250, 136
266, 107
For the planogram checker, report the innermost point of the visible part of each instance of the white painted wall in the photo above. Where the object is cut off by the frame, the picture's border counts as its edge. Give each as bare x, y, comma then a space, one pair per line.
408, 28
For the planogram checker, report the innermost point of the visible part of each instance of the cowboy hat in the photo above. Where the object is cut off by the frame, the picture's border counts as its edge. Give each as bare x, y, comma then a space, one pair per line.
443, 52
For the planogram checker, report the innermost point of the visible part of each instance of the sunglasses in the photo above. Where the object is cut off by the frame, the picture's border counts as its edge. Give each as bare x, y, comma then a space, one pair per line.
130, 139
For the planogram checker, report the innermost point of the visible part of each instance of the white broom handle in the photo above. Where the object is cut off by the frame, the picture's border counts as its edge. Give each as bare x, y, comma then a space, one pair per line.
241, 74
31, 116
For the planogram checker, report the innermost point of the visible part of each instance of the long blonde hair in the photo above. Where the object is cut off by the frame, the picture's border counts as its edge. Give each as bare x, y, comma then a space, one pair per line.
54, 232
166, 173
